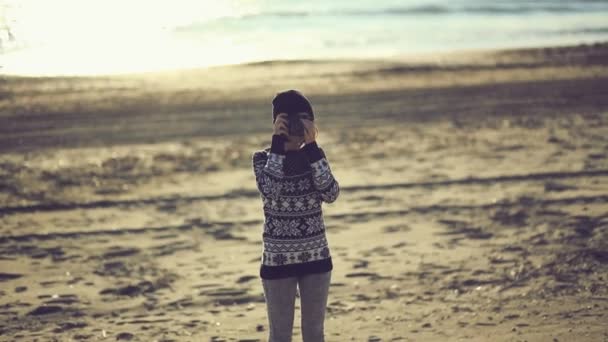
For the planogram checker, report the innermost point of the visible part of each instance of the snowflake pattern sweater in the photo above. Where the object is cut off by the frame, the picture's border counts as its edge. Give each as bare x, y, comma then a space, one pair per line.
293, 185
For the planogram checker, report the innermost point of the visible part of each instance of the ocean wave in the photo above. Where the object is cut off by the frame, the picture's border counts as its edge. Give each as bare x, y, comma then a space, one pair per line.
521, 8
583, 30
504, 8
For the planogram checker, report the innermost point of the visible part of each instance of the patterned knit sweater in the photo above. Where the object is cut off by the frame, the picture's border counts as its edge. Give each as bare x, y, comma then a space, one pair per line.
293, 185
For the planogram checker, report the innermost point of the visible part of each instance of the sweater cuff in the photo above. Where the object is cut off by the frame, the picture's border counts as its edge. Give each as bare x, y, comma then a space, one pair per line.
278, 144
312, 152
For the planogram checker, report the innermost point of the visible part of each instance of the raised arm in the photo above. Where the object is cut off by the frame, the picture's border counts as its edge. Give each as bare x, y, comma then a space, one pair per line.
268, 168
323, 179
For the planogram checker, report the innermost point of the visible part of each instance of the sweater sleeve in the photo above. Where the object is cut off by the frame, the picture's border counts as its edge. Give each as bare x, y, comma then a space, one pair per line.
268, 168
323, 179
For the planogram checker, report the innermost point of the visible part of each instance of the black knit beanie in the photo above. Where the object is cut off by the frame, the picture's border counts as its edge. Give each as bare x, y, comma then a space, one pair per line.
291, 101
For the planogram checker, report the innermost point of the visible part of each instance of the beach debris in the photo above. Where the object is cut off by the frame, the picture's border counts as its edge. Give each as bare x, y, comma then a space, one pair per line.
246, 278
45, 310
117, 251
9, 276
131, 290
68, 326
396, 228
392, 291
557, 187
361, 264
125, 336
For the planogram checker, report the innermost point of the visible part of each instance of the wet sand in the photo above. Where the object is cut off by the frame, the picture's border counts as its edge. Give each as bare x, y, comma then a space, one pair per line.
473, 205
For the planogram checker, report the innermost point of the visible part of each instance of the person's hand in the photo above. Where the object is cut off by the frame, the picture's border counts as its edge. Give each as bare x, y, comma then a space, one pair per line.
310, 131
280, 125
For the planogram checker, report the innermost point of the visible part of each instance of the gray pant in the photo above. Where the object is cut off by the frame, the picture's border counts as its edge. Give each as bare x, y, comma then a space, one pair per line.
280, 297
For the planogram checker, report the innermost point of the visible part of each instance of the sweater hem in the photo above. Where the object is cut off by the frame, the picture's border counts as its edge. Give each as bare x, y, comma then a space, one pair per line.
294, 270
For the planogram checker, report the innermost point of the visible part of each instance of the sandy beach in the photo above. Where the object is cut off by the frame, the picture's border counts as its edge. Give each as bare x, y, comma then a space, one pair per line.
473, 205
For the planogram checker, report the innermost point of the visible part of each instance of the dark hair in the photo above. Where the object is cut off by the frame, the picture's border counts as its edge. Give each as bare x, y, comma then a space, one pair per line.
291, 101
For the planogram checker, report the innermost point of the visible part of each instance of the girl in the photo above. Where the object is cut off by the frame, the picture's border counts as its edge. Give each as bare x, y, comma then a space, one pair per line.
294, 178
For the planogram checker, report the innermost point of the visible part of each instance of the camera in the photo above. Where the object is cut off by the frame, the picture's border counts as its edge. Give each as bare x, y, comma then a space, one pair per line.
295, 126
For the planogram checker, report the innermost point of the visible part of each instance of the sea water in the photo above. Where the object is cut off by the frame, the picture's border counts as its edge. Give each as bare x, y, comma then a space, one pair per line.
55, 37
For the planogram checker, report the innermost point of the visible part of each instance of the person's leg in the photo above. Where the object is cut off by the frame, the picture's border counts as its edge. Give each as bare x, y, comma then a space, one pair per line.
280, 295
314, 289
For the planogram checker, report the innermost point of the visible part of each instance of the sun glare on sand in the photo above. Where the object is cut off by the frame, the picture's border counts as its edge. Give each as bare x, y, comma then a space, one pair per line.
89, 37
